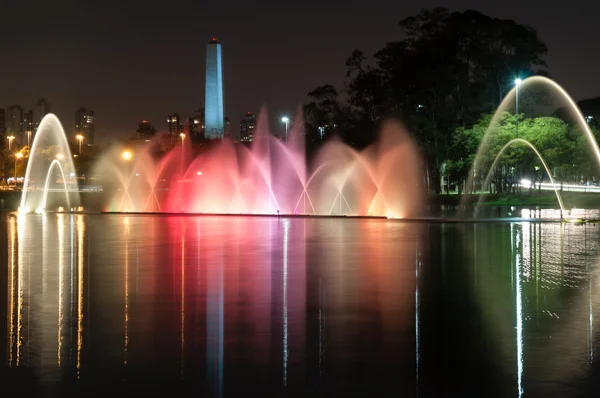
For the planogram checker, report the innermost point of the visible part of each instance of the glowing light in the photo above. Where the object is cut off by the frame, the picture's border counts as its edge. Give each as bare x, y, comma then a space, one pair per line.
20, 255
519, 311
286, 227
182, 299
126, 155
126, 321
80, 312
19, 155
13, 254
518, 82
60, 156
61, 289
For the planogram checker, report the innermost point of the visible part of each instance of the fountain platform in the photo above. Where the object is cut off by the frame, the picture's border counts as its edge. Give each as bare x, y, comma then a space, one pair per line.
424, 219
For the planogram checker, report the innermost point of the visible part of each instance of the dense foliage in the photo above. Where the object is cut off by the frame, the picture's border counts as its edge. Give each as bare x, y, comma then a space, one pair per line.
450, 68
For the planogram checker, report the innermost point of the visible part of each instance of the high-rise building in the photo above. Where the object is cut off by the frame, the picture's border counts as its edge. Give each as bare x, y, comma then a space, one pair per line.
2, 122
247, 127
40, 109
175, 125
14, 120
213, 111
145, 131
196, 123
27, 128
84, 125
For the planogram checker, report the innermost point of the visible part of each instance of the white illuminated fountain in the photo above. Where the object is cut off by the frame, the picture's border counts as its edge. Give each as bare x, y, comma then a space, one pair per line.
521, 141
50, 180
506, 104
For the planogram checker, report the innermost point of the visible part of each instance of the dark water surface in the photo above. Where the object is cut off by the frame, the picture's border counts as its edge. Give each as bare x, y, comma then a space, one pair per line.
93, 305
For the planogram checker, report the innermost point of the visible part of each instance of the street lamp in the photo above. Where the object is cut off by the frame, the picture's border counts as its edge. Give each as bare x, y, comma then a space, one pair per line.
10, 138
126, 155
286, 120
517, 84
80, 139
18, 156
182, 135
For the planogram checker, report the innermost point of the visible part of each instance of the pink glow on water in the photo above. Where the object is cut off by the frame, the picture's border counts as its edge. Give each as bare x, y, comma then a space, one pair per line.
272, 176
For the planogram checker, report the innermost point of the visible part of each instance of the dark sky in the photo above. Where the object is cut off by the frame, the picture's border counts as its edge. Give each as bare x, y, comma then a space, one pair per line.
132, 60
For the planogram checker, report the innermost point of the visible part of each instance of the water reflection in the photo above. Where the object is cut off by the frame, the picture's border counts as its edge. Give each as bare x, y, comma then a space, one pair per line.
267, 305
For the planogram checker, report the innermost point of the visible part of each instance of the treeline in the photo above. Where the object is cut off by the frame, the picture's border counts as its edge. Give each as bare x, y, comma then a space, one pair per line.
449, 70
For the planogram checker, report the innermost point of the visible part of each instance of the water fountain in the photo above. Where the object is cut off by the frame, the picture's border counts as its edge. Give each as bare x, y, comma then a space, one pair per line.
50, 177
505, 105
539, 156
270, 176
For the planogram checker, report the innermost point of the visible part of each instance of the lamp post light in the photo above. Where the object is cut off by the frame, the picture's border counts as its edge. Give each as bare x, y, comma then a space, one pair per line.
10, 138
80, 139
126, 155
517, 84
18, 156
286, 120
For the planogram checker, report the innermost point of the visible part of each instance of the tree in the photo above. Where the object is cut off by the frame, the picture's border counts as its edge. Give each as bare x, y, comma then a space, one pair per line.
449, 69
560, 145
365, 89
321, 114
463, 149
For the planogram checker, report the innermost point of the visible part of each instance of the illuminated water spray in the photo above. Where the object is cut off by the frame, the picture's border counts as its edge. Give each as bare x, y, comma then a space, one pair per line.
507, 103
533, 148
49, 150
270, 176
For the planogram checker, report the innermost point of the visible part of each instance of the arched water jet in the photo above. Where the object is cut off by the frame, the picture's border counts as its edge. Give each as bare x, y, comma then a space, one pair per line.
271, 177
266, 180
49, 133
530, 145
239, 198
55, 163
507, 101
300, 170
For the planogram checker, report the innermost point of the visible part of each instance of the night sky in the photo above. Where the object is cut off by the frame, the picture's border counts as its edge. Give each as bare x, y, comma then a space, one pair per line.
132, 60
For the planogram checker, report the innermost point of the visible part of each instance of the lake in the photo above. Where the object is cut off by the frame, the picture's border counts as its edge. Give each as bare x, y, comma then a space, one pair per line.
222, 306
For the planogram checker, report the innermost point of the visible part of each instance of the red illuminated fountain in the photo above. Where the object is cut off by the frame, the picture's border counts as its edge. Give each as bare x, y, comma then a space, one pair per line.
271, 177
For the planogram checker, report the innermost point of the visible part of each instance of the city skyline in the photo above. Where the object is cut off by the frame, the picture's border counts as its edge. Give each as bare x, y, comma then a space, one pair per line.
271, 59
